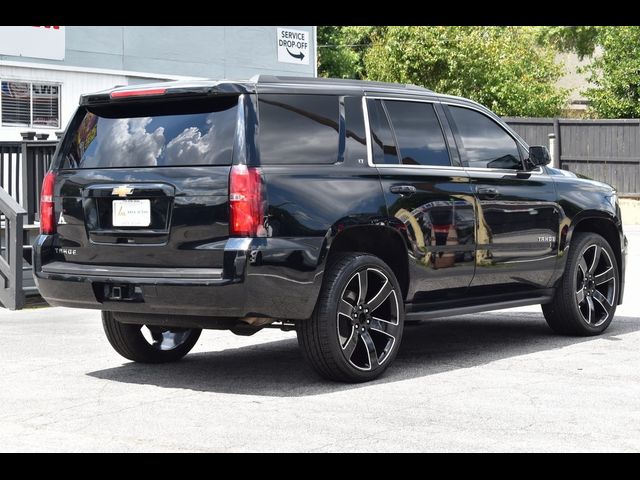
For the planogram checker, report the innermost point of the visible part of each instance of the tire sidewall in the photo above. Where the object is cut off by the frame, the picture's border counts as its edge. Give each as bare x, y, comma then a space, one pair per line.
330, 313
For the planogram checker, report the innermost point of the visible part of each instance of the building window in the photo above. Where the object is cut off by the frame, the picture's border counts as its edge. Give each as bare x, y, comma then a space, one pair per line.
30, 104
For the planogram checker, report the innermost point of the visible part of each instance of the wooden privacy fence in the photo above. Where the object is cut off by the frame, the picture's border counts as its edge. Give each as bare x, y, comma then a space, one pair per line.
605, 150
22, 169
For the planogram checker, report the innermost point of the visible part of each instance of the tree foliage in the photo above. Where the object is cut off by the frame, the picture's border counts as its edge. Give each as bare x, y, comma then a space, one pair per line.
581, 40
505, 68
615, 74
341, 51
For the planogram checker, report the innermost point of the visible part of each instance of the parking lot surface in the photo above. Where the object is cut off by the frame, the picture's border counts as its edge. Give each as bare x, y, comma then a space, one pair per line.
498, 381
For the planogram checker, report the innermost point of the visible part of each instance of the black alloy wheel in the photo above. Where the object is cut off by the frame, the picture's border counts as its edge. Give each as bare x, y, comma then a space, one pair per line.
587, 295
149, 344
356, 328
368, 319
596, 285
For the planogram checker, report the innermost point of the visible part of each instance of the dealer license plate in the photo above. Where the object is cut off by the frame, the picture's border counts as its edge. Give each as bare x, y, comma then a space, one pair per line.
131, 213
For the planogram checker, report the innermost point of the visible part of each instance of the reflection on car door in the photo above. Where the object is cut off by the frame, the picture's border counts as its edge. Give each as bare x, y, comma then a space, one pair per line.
518, 213
428, 195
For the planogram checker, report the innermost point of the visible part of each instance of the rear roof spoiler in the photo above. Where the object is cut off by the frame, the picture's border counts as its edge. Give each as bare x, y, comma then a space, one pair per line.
168, 90
257, 84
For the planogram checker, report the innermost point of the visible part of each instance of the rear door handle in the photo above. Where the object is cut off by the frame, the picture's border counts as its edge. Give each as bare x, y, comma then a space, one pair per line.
403, 189
487, 191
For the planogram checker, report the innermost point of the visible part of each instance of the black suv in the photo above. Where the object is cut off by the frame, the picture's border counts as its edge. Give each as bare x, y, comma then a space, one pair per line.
336, 208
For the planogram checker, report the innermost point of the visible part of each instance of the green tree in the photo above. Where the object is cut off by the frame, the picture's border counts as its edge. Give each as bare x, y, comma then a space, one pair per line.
615, 74
341, 51
581, 40
504, 68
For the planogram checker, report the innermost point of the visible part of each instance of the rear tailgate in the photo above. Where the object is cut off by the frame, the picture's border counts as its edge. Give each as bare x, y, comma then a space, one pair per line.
146, 184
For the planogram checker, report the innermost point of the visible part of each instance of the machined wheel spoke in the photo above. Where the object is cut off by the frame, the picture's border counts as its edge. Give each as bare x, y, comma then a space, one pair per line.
393, 322
591, 309
371, 350
582, 264
384, 327
596, 259
158, 337
381, 296
345, 308
605, 276
580, 296
363, 285
602, 300
168, 339
351, 344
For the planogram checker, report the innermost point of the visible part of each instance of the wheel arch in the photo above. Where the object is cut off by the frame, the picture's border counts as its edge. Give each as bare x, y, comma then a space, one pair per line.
382, 241
604, 225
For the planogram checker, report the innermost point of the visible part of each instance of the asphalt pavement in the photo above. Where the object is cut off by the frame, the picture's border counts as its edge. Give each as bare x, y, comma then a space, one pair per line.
499, 381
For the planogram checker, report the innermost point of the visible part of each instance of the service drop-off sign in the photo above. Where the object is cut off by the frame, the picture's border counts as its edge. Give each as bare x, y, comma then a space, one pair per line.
293, 46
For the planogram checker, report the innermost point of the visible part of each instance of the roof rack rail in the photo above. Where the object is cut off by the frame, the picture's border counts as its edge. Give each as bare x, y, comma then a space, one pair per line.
270, 79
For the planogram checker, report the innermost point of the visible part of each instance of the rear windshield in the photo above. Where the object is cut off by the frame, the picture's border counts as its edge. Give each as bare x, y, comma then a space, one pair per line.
154, 135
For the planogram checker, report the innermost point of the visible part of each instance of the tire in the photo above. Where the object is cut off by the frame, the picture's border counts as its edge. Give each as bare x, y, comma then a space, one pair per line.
128, 341
345, 348
585, 300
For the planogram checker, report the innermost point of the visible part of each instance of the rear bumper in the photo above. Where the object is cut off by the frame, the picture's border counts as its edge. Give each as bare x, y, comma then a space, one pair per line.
271, 277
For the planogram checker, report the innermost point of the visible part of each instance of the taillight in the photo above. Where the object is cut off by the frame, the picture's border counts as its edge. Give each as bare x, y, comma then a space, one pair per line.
245, 201
47, 214
138, 93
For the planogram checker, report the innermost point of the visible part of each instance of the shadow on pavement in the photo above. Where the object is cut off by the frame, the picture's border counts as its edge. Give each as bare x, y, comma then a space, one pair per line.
278, 368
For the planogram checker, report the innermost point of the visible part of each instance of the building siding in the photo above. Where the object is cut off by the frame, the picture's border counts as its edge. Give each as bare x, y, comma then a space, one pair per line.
211, 52
125, 55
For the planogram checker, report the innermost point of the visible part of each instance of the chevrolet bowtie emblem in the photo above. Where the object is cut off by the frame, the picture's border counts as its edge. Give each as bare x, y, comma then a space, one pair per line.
122, 191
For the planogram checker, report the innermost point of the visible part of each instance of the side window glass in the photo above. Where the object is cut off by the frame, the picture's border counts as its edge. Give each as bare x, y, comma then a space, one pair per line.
485, 144
298, 129
418, 131
355, 136
384, 146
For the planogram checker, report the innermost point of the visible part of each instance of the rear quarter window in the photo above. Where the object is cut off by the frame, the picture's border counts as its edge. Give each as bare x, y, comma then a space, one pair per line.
152, 135
298, 129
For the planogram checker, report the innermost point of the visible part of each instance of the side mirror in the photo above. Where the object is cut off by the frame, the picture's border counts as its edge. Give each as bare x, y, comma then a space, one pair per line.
539, 155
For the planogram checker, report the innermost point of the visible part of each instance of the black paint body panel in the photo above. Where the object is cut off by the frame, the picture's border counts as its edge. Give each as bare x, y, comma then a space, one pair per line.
456, 244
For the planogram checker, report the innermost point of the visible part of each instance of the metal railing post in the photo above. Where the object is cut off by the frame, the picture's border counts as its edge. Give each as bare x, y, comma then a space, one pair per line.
557, 146
552, 150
